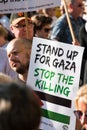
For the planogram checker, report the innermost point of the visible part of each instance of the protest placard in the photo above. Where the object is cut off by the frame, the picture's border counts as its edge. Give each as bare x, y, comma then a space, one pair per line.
54, 74
12, 6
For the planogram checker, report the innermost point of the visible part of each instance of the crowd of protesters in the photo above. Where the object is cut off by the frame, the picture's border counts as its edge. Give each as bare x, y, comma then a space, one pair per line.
16, 37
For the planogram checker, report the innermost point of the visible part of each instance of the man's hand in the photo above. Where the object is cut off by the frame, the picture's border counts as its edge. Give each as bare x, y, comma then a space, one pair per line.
76, 42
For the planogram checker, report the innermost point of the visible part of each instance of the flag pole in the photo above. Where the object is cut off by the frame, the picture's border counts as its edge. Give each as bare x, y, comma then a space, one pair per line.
69, 23
26, 22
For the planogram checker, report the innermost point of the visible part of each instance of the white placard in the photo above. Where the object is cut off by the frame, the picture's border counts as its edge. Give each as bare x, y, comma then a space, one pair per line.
12, 6
54, 74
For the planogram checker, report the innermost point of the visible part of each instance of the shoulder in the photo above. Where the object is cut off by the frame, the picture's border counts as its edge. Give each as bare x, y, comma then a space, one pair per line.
61, 21
62, 18
3, 52
81, 20
83, 29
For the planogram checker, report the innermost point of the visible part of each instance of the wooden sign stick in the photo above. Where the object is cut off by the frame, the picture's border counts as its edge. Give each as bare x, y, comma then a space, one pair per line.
26, 22
69, 23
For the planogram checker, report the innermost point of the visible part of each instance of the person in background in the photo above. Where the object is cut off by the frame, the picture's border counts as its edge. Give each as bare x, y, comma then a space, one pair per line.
3, 36
85, 11
78, 125
5, 21
57, 11
18, 26
19, 108
42, 25
62, 10
83, 43
61, 31
4, 78
50, 12
18, 52
4, 64
81, 106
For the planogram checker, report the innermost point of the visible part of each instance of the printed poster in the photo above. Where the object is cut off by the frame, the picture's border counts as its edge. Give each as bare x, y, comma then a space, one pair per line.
12, 6
54, 74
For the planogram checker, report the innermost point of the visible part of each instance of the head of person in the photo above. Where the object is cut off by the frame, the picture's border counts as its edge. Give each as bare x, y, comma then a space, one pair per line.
62, 10
19, 108
81, 105
75, 7
3, 35
18, 26
49, 12
4, 78
85, 7
85, 10
18, 51
42, 25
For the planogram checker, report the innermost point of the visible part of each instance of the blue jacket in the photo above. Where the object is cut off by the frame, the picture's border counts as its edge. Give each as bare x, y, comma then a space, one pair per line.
61, 31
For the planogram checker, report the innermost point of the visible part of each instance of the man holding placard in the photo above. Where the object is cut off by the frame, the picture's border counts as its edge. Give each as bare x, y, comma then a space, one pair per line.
61, 31
18, 51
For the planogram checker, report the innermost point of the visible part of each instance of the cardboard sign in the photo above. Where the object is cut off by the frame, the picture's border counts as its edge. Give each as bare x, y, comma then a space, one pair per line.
54, 74
12, 6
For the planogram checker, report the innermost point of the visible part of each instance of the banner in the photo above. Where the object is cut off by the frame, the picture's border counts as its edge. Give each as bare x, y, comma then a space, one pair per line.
54, 74
12, 6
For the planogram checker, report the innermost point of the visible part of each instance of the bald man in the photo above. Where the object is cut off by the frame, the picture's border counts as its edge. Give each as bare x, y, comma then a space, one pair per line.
18, 51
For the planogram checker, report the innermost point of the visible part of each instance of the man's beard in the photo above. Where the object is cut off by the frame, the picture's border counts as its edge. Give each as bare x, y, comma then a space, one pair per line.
22, 69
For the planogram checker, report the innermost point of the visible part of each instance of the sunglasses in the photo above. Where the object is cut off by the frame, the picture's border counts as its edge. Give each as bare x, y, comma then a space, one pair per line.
47, 29
23, 25
79, 114
80, 5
